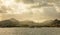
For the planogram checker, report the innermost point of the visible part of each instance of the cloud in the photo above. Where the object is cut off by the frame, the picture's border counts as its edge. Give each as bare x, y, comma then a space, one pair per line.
36, 11
28, 1
46, 12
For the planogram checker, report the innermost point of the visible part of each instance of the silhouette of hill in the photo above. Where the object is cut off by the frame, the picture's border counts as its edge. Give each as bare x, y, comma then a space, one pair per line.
9, 23
56, 23
15, 23
52, 23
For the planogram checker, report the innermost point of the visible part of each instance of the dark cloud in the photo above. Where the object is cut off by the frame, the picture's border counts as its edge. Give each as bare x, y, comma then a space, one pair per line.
28, 1
40, 5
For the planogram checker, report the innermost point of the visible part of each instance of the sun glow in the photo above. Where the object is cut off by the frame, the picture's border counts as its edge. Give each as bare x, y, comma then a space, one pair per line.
7, 2
17, 8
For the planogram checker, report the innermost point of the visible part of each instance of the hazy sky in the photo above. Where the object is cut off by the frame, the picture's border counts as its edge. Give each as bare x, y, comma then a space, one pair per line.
36, 10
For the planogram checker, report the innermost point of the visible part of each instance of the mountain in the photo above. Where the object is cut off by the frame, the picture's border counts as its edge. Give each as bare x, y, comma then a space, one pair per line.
56, 23
15, 23
52, 23
9, 23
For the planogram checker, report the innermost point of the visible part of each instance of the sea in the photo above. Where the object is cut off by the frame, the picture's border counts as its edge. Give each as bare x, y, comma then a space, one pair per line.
30, 31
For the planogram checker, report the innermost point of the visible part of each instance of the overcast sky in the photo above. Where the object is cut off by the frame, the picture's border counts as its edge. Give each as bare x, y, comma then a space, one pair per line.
32, 9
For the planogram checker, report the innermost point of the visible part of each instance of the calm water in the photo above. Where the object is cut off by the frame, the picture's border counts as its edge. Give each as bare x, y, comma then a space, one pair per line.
30, 31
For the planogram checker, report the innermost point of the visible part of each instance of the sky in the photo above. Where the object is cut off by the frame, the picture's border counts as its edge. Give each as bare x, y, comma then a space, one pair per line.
34, 10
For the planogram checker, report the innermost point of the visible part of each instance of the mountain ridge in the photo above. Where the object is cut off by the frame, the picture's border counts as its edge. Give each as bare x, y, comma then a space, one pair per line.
15, 23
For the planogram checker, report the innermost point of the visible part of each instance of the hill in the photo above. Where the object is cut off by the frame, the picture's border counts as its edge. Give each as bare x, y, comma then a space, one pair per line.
15, 23
9, 23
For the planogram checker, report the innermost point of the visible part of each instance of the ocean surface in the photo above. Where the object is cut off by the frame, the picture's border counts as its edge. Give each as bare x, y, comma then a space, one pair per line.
30, 31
